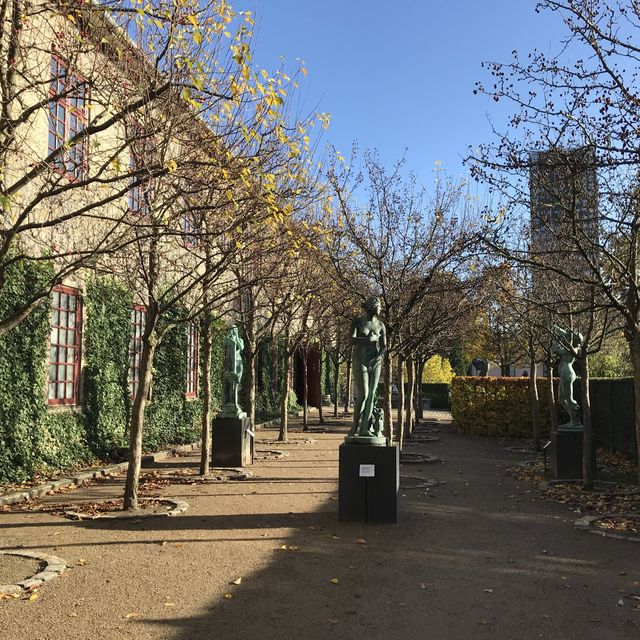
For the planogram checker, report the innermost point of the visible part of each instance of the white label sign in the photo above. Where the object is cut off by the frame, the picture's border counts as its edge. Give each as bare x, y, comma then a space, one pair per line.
367, 470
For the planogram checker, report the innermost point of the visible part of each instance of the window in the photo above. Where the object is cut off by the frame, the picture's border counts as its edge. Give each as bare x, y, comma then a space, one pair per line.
192, 361
189, 231
140, 151
64, 350
67, 117
138, 318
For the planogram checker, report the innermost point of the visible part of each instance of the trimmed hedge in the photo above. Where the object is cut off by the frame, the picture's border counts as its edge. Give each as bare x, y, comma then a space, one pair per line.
496, 406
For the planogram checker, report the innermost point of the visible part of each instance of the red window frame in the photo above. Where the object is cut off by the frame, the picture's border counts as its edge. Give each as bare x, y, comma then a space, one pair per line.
191, 389
68, 115
65, 346
138, 318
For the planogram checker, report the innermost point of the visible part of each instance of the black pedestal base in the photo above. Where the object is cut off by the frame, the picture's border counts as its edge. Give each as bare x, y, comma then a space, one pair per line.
566, 455
232, 442
364, 497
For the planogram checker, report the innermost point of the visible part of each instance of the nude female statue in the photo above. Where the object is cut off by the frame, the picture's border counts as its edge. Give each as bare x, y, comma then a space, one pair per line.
567, 345
369, 340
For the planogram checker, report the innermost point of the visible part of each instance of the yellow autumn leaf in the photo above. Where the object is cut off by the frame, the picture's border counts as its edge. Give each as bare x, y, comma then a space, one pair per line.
34, 596
228, 596
334, 581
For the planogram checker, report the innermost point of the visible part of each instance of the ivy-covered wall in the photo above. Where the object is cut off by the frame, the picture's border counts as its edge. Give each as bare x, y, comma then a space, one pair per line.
32, 437
36, 438
267, 389
106, 390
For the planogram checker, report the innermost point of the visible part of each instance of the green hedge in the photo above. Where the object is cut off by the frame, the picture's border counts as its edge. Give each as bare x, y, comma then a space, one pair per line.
496, 406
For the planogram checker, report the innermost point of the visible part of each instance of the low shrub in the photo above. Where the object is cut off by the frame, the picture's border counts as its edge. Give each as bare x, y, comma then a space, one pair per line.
496, 406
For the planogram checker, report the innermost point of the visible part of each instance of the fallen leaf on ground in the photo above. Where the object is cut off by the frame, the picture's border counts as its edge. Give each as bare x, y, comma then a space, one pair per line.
34, 596
361, 541
334, 581
132, 615
74, 615
236, 581
423, 585
621, 602
488, 590
228, 596
82, 562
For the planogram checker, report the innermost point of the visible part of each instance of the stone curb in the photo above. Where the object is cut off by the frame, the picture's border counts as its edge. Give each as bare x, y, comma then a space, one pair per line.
586, 523
179, 506
91, 474
54, 567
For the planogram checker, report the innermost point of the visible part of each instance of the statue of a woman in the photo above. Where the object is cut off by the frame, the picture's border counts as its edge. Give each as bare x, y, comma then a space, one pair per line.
369, 340
567, 345
233, 346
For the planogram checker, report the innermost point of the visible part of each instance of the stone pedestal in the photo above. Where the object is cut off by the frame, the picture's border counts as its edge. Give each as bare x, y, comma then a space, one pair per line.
566, 455
369, 479
232, 442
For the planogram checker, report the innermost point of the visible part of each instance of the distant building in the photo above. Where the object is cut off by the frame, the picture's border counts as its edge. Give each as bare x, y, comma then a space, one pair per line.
563, 190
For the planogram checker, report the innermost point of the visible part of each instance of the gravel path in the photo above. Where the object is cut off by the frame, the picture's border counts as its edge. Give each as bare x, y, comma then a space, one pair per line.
474, 556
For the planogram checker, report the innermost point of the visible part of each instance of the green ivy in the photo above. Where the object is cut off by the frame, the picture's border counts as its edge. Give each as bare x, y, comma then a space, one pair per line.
170, 418
107, 336
32, 438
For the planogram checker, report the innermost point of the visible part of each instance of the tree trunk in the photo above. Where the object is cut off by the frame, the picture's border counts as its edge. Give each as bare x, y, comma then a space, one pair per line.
388, 414
251, 359
320, 412
410, 400
305, 390
284, 397
207, 345
401, 400
419, 373
149, 344
347, 394
587, 431
551, 398
533, 396
336, 377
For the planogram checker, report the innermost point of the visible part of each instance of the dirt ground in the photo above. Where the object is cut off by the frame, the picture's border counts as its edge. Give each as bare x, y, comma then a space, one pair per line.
476, 556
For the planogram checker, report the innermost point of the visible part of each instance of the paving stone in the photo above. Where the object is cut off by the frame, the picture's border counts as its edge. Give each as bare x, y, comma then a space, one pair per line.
45, 576
56, 568
30, 583
23, 552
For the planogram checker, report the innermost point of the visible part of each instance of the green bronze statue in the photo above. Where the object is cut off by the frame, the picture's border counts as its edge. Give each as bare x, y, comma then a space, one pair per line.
233, 346
369, 340
566, 345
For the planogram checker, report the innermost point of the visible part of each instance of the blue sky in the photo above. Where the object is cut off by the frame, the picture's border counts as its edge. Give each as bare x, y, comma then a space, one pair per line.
401, 74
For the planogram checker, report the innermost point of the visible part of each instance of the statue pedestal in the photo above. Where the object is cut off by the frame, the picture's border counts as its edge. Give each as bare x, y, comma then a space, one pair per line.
369, 479
566, 454
232, 442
